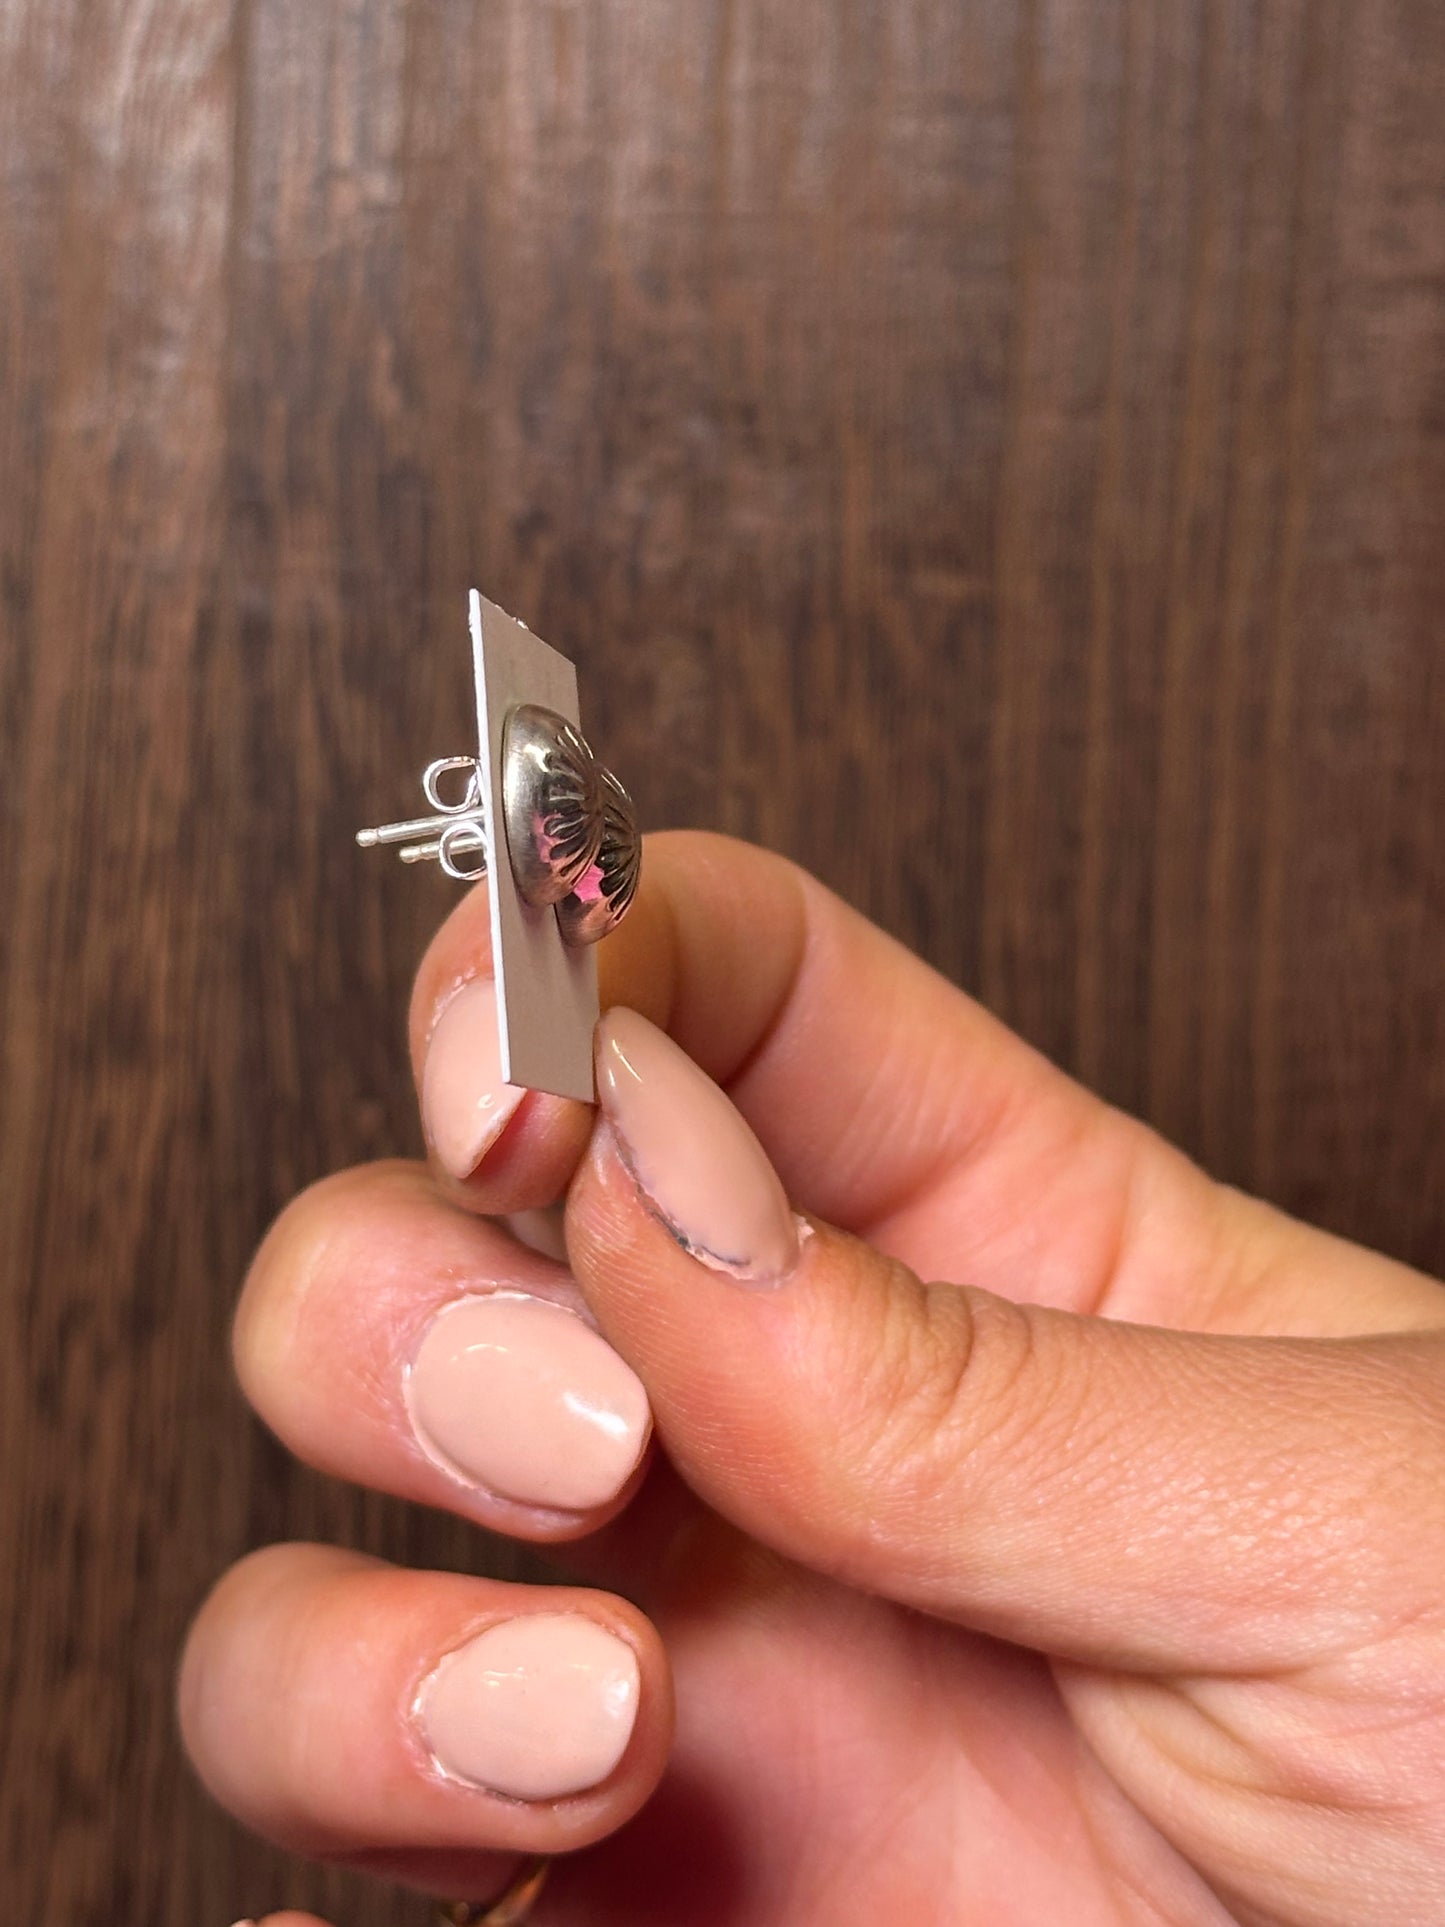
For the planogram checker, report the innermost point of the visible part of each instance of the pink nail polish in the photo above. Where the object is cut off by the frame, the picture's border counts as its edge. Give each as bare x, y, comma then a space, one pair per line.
692, 1153
522, 1397
535, 1708
464, 1102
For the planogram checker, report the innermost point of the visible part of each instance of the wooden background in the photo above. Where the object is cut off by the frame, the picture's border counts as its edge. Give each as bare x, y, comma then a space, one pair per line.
991, 449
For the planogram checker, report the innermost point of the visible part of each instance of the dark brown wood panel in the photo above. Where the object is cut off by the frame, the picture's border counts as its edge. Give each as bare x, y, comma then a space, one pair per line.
994, 452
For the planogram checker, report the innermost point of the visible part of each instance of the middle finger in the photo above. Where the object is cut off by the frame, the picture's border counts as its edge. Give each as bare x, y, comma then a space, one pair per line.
390, 1339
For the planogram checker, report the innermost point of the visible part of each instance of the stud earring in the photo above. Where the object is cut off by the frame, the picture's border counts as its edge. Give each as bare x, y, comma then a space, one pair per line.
554, 833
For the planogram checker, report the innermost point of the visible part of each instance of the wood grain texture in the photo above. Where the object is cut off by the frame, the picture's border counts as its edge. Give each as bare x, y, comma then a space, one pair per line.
994, 452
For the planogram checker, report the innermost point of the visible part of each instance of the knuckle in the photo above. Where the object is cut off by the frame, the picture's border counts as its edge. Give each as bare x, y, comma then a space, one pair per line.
937, 1370
311, 1234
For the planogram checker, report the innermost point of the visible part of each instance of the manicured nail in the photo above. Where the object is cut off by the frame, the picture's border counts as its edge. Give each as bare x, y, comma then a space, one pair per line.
464, 1102
691, 1152
534, 1708
521, 1396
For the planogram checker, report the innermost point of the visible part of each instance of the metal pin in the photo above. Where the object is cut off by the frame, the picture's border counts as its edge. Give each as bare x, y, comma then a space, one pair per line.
430, 851
405, 832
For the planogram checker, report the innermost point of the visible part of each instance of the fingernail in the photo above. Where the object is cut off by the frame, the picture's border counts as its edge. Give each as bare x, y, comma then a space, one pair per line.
692, 1154
534, 1708
520, 1396
464, 1102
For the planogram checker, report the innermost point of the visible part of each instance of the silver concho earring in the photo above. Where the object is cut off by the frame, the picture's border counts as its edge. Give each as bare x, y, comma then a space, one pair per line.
553, 831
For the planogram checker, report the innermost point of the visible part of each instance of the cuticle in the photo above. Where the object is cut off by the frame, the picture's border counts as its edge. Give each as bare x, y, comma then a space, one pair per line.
711, 1260
443, 1004
416, 1718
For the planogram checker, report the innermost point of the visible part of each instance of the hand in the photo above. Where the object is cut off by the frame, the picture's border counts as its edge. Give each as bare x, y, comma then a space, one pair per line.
1102, 1583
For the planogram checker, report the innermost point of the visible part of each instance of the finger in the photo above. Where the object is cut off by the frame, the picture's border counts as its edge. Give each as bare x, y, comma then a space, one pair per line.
1104, 1491
806, 1011
771, 982
892, 1105
389, 1339
359, 1712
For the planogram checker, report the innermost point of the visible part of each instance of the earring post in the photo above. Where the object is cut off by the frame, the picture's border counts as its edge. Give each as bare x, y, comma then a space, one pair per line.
459, 845
418, 826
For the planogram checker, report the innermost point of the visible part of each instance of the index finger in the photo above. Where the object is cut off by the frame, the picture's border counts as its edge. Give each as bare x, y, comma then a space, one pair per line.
865, 1074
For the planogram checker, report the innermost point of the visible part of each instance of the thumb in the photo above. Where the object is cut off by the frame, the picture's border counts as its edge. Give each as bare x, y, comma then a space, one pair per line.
1108, 1492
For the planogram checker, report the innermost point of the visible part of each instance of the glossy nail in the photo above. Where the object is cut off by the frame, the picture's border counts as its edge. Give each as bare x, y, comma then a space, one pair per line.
520, 1396
534, 1708
694, 1157
464, 1102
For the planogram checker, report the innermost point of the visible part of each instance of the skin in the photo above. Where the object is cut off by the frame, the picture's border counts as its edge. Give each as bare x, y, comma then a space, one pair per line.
1101, 1583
